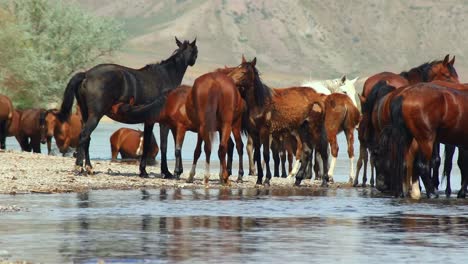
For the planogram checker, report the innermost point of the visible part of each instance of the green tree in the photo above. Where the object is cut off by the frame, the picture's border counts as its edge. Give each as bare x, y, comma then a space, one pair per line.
43, 42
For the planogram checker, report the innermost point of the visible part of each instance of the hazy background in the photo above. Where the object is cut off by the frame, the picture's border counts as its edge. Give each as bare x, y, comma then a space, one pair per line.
293, 39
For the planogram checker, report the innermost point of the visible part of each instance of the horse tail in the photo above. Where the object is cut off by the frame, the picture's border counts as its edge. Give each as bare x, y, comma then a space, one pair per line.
211, 113
394, 141
69, 96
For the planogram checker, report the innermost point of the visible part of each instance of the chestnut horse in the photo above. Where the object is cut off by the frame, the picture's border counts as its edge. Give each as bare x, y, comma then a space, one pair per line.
129, 143
6, 114
66, 133
296, 110
25, 126
421, 115
443, 70
341, 115
104, 87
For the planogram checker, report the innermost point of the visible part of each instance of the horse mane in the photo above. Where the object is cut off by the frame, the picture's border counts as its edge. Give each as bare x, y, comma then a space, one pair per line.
424, 69
379, 90
262, 91
171, 58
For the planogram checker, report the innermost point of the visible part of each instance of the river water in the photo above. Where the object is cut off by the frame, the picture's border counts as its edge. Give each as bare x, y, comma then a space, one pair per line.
297, 225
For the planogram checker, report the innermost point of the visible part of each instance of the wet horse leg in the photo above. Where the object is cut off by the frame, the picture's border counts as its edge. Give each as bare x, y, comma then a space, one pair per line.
196, 156
36, 144
230, 153
179, 141
275, 149
163, 134
298, 155
222, 151
3, 132
363, 158
435, 165
350, 139
463, 165
206, 137
265, 138
331, 135
250, 154
147, 135
240, 150
449, 152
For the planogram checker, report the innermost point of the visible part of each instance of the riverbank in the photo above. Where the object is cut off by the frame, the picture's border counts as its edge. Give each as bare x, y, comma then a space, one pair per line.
22, 173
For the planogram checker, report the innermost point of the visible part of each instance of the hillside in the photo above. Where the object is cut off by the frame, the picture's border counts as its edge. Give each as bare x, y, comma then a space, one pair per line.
294, 39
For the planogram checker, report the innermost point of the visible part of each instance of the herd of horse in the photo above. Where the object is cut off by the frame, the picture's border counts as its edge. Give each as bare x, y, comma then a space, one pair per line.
403, 119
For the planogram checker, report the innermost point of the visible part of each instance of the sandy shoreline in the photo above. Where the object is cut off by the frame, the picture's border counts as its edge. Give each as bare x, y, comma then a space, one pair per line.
22, 173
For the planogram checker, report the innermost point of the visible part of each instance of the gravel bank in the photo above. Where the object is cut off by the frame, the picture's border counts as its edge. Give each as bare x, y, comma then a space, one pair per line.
22, 172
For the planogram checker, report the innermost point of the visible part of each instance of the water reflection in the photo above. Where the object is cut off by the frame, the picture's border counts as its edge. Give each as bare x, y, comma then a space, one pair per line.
235, 225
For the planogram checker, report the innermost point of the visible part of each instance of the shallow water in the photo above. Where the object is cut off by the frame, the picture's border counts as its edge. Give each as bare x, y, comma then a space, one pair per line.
233, 226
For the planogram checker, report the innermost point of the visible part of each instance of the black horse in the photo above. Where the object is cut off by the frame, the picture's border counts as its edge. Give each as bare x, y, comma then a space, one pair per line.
103, 89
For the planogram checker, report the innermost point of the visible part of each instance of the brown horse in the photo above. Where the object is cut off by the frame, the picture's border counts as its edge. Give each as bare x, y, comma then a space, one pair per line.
421, 115
436, 70
129, 143
341, 115
6, 115
25, 126
283, 146
296, 110
66, 133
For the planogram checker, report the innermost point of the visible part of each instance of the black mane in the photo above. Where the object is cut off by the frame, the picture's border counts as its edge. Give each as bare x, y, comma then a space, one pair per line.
262, 92
379, 90
171, 58
424, 69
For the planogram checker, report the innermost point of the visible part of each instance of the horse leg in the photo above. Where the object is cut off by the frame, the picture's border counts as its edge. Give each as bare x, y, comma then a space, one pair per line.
49, 145
258, 159
36, 144
407, 181
424, 170
298, 156
114, 151
196, 156
179, 141
309, 168
449, 152
283, 154
350, 140
85, 139
222, 151
276, 158
318, 170
463, 165
290, 156
147, 135
230, 153
304, 163
163, 134
240, 150
334, 152
426, 147
265, 138
361, 159
435, 165
373, 170
250, 154
3, 133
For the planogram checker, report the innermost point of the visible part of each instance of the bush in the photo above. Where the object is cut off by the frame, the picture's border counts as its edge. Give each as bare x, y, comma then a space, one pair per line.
43, 42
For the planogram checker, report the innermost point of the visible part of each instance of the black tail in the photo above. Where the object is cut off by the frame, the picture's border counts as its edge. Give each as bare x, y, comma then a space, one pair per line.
69, 95
394, 141
148, 111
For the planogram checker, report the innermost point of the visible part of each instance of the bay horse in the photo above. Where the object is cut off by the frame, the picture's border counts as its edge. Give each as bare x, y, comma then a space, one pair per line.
129, 143
66, 133
442, 70
100, 90
421, 115
295, 110
6, 114
25, 127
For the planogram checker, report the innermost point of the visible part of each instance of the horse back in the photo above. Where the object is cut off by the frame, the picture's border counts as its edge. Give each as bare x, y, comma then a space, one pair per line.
392, 79
29, 122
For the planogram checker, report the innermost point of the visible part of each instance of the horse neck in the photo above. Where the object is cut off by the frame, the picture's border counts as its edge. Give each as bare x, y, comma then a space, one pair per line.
175, 68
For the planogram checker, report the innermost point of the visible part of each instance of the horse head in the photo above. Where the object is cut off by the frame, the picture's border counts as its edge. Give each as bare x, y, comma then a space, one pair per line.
349, 89
444, 70
47, 121
248, 81
188, 50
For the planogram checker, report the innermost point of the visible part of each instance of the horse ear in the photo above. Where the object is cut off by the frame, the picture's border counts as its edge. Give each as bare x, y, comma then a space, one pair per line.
243, 59
193, 42
254, 61
177, 41
452, 61
343, 79
354, 80
446, 59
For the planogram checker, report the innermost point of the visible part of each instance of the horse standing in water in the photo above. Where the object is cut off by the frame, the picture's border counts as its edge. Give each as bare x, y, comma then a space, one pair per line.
129, 143
295, 110
66, 133
421, 115
6, 115
442, 70
102, 89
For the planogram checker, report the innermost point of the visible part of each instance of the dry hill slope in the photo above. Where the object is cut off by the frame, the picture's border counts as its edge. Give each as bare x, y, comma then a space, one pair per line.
294, 39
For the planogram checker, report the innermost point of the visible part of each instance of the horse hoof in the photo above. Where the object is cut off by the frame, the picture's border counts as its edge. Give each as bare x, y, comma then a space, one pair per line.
266, 184
144, 175
240, 180
168, 176
207, 180
363, 185
461, 195
252, 173
432, 195
226, 183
